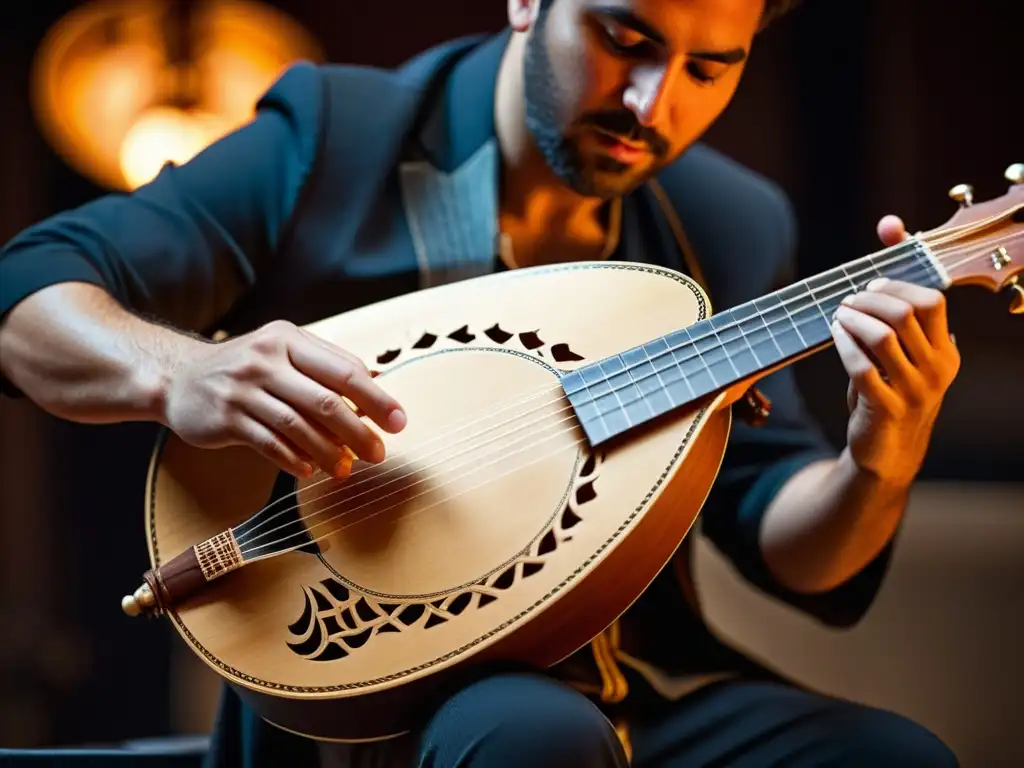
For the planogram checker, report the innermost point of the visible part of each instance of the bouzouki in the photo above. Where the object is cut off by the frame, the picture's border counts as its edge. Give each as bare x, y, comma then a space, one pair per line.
565, 424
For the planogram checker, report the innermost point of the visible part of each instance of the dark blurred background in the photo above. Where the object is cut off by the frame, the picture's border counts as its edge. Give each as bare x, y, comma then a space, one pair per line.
856, 107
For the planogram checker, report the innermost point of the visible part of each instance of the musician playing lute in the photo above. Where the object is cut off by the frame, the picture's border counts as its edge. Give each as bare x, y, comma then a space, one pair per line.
573, 135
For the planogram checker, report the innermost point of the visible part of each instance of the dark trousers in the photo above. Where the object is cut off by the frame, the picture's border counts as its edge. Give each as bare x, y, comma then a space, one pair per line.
530, 721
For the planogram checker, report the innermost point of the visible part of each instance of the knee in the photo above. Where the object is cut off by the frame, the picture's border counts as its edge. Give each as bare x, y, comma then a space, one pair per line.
885, 738
516, 720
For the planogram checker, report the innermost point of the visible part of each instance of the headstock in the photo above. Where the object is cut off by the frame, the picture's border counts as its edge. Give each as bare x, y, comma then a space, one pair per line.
983, 243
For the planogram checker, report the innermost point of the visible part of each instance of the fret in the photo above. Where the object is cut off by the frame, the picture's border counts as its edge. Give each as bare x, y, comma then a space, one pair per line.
655, 390
713, 354
810, 320
675, 340
690, 361
790, 293
779, 325
901, 264
612, 395
830, 283
720, 342
630, 398
787, 308
572, 382
760, 362
730, 331
935, 276
616, 396
918, 266
828, 289
861, 280
576, 385
660, 353
757, 335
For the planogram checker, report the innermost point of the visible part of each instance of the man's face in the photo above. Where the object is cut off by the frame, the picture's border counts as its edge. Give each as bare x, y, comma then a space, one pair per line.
617, 89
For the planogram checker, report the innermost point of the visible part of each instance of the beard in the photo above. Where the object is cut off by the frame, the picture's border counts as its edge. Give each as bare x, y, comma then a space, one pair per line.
597, 175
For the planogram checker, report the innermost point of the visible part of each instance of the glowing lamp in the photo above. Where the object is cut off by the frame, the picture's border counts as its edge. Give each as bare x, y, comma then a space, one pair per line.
163, 134
121, 87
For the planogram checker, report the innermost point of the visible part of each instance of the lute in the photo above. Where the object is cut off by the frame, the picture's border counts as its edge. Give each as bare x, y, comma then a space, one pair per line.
556, 455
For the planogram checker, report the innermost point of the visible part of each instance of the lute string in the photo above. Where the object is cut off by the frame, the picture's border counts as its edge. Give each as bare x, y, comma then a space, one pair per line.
477, 467
500, 453
556, 388
247, 543
248, 537
335, 531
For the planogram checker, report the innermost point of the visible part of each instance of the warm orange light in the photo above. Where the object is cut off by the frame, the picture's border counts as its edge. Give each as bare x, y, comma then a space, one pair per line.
165, 134
104, 92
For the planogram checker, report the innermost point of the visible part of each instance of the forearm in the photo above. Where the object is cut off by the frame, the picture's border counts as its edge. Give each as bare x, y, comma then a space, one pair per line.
74, 351
827, 522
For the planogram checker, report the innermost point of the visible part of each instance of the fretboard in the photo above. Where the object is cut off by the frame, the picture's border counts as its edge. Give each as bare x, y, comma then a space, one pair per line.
613, 395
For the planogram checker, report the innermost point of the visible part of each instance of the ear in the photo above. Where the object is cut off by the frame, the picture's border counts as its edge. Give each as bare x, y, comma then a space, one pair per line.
522, 14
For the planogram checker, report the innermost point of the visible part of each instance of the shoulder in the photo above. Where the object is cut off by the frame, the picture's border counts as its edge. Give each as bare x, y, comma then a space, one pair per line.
737, 221
305, 91
307, 85
320, 110
319, 98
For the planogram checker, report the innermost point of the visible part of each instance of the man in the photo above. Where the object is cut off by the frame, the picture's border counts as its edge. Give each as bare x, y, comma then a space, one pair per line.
571, 136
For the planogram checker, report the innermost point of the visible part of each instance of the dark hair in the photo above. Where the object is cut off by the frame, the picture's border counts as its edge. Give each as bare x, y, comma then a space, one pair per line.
773, 9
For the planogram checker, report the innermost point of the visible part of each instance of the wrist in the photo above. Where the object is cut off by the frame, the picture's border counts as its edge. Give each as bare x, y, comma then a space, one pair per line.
888, 479
153, 381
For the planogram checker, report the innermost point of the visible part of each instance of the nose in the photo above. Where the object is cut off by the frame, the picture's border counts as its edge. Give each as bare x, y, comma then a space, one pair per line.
644, 93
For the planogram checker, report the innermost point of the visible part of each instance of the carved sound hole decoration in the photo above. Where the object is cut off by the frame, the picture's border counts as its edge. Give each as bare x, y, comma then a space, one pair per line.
529, 341
337, 620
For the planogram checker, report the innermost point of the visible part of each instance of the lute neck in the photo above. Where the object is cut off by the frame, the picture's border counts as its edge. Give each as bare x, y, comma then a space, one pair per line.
626, 390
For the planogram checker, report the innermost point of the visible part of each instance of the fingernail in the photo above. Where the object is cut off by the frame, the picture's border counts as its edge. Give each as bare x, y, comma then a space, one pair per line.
306, 470
397, 420
848, 299
378, 453
344, 466
877, 283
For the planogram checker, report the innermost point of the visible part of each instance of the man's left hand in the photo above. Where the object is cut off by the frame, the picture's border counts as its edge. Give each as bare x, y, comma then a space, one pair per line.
895, 344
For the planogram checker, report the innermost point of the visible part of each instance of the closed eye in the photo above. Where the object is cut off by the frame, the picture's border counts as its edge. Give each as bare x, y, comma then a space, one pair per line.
624, 42
700, 73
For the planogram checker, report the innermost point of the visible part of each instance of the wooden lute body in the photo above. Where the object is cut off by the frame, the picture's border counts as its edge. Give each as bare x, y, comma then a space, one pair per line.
565, 425
491, 531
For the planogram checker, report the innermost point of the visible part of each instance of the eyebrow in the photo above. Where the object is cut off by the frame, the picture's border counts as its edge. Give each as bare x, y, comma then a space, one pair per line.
631, 21
733, 56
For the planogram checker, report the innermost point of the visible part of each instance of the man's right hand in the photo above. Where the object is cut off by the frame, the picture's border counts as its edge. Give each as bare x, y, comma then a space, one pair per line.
279, 390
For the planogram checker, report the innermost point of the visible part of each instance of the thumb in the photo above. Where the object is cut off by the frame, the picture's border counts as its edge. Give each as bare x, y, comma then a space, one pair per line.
891, 230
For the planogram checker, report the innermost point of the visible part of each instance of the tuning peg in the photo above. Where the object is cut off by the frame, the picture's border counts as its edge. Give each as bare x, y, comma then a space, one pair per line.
1015, 173
963, 194
1016, 298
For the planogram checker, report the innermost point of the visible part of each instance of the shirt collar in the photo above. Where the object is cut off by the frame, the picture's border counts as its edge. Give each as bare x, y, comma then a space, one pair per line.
462, 120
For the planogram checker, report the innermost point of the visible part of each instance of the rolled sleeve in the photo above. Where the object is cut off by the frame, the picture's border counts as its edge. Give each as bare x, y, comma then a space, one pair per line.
184, 248
30, 269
